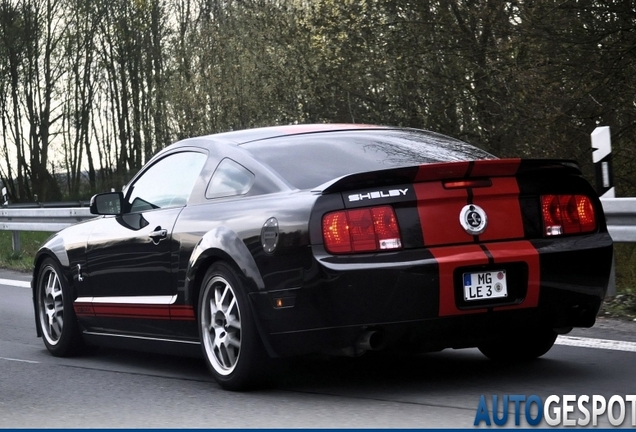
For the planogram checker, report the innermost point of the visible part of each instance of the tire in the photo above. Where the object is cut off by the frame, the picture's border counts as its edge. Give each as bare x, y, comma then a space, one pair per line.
520, 347
230, 341
56, 317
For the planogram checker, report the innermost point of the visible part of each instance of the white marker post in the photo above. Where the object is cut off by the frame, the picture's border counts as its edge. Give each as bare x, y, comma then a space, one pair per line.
602, 158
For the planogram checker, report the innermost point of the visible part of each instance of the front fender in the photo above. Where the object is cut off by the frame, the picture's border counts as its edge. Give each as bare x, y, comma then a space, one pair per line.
54, 246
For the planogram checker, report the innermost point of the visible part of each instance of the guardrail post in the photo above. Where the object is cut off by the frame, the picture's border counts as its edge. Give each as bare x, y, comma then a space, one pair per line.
15, 241
611, 286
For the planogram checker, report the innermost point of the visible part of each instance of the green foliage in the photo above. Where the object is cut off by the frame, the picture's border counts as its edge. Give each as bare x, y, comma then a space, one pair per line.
625, 255
23, 260
623, 305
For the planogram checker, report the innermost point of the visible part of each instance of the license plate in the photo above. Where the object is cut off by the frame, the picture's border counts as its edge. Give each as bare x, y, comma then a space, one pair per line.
485, 285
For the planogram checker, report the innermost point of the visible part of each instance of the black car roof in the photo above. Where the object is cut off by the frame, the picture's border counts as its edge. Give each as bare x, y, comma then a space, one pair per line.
250, 135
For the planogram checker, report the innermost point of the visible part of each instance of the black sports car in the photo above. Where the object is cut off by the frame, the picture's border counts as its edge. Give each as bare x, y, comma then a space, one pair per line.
251, 245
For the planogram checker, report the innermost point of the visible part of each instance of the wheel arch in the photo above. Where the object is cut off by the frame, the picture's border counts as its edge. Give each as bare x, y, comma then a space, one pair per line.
224, 245
221, 244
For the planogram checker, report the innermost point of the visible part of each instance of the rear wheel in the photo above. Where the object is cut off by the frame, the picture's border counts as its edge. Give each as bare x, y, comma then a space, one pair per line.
231, 344
58, 323
520, 347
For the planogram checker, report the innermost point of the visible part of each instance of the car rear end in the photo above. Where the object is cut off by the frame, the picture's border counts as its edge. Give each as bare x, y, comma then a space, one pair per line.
448, 254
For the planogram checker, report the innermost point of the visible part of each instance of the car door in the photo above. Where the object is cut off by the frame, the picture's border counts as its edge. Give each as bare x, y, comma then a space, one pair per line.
131, 258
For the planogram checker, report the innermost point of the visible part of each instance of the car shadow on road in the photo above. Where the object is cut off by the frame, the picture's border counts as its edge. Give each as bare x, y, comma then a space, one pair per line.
442, 371
445, 370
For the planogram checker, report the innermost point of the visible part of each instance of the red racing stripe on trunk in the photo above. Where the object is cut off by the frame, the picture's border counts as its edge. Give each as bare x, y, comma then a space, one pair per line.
438, 171
520, 251
439, 209
448, 259
501, 204
495, 167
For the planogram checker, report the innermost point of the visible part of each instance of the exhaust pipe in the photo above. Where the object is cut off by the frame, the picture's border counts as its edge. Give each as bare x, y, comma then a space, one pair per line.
370, 340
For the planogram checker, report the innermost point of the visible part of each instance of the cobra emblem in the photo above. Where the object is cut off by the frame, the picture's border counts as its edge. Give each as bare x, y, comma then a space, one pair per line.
473, 219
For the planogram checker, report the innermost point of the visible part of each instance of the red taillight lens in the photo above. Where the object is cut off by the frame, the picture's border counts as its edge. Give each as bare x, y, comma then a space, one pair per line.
386, 228
567, 214
335, 231
361, 230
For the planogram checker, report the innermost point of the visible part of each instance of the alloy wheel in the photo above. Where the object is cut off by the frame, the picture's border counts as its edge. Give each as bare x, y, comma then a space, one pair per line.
51, 305
221, 325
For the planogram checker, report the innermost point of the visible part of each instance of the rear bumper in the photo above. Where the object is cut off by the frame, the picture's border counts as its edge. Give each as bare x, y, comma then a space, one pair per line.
411, 298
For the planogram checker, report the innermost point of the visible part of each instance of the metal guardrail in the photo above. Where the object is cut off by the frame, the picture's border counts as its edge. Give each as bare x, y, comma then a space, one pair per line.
620, 214
621, 218
42, 219
39, 219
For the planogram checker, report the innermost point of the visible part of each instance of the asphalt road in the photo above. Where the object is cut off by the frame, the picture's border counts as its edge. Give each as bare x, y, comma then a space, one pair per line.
112, 388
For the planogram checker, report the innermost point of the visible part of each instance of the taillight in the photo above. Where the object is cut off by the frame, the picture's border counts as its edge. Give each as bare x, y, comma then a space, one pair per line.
567, 214
361, 230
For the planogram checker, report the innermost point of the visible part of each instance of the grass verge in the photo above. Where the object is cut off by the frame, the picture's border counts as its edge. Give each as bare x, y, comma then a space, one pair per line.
623, 305
23, 260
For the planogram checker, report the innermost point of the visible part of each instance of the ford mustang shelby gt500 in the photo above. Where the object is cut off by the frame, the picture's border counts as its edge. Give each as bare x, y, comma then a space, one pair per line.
274, 242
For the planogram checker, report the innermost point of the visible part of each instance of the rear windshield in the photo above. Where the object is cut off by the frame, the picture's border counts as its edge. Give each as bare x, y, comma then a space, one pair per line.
309, 160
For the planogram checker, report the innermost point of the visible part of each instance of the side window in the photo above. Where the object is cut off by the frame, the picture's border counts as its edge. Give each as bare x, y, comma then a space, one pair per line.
167, 183
229, 178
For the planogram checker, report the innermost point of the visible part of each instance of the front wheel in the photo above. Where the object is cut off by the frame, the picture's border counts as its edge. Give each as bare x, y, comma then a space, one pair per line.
231, 345
58, 323
526, 346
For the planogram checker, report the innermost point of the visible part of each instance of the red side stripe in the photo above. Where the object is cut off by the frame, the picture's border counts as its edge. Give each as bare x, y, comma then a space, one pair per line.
132, 311
83, 309
113, 310
182, 312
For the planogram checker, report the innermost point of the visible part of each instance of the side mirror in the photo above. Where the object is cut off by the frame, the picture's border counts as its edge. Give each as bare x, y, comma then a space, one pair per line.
109, 203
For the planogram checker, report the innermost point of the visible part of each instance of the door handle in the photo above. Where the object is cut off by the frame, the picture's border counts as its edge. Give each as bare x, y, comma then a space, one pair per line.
158, 234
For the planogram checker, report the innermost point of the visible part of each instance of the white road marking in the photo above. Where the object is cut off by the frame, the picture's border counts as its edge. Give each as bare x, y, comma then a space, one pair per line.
584, 342
21, 284
19, 360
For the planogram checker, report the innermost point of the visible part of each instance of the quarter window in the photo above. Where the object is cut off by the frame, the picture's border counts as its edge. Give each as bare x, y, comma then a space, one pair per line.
167, 183
229, 179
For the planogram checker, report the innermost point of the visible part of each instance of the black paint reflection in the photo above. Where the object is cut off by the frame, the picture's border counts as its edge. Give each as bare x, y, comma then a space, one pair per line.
133, 221
308, 163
